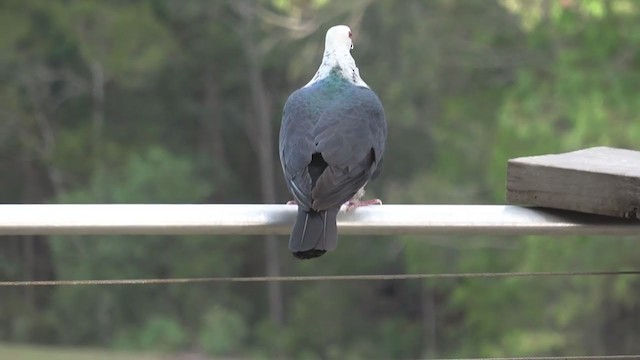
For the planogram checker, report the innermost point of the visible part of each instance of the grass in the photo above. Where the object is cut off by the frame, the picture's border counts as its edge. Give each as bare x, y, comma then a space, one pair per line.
31, 352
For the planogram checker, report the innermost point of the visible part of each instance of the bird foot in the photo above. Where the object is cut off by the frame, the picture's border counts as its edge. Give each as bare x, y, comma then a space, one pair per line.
354, 204
292, 202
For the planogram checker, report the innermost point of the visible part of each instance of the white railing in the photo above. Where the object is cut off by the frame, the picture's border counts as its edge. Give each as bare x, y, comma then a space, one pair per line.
148, 219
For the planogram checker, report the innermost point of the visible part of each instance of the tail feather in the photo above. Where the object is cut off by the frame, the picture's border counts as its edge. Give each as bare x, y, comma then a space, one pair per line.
314, 233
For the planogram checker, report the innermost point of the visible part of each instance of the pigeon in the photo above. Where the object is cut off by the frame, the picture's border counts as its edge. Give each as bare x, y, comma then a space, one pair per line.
332, 140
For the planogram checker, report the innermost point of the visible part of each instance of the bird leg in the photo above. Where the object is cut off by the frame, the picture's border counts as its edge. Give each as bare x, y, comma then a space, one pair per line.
292, 202
355, 202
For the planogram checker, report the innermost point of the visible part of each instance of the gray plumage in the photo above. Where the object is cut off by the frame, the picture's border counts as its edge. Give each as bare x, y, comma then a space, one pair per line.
332, 140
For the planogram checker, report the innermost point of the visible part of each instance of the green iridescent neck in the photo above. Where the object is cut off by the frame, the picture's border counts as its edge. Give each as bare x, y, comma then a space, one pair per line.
335, 79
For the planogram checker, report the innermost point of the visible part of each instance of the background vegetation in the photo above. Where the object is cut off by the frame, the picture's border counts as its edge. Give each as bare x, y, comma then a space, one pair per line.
167, 101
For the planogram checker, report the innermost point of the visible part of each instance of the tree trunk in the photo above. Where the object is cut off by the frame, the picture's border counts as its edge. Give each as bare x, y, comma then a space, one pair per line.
265, 152
429, 321
29, 195
33, 252
97, 114
210, 141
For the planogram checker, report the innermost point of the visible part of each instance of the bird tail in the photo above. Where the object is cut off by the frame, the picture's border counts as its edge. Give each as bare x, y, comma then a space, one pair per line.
314, 233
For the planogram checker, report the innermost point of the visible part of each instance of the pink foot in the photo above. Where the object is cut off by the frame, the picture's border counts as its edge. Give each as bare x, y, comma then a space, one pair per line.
354, 204
292, 202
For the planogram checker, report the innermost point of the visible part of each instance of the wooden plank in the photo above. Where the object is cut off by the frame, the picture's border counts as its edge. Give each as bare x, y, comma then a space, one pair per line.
599, 180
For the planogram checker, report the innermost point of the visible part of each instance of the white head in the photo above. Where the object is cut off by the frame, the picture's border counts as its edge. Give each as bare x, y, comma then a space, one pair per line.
338, 39
337, 53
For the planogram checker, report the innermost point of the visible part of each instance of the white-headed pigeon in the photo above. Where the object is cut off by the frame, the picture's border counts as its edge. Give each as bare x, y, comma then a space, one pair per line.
332, 139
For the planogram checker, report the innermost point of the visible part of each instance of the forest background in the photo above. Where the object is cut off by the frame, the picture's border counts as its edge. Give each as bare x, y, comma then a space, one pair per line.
167, 101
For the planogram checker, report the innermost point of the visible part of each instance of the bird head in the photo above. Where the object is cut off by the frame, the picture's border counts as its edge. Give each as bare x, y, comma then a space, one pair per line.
339, 39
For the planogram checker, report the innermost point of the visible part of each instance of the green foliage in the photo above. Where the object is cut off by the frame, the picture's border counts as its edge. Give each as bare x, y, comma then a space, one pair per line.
153, 176
223, 332
138, 182
127, 40
162, 333
158, 334
583, 99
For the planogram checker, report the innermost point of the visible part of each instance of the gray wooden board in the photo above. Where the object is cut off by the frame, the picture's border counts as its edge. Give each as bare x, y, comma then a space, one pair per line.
599, 180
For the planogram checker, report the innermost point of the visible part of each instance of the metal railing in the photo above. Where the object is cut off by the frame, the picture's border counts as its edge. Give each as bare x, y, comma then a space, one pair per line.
164, 219
148, 219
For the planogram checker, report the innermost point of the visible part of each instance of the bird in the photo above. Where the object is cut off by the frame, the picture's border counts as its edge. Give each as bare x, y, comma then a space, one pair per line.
331, 144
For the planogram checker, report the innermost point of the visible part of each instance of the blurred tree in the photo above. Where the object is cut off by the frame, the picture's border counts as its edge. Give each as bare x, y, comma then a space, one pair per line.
115, 41
29, 96
582, 96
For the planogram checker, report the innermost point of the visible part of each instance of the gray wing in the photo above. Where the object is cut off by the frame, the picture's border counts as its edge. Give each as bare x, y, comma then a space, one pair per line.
350, 135
296, 145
